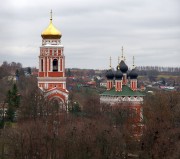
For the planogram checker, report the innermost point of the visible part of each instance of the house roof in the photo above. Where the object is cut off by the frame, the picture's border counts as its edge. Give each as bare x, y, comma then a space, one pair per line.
126, 91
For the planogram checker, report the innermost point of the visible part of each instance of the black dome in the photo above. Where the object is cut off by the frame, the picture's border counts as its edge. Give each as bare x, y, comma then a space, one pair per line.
133, 74
118, 74
123, 67
109, 74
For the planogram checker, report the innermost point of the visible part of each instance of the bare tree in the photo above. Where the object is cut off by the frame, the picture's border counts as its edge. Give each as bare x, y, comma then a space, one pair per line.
162, 126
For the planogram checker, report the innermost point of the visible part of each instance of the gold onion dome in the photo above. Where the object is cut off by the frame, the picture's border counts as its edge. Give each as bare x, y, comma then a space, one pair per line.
51, 32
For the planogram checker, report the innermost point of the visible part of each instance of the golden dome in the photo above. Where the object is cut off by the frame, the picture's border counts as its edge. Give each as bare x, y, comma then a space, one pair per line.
51, 32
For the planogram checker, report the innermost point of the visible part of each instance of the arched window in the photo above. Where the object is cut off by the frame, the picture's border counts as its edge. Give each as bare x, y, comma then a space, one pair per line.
55, 65
42, 65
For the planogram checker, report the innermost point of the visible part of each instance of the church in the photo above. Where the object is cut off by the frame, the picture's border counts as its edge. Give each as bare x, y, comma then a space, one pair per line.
121, 85
122, 90
51, 75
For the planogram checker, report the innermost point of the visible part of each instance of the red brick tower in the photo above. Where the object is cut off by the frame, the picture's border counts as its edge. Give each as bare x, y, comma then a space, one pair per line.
51, 76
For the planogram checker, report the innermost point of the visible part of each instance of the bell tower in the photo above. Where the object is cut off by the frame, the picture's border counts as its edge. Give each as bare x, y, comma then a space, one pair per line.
51, 76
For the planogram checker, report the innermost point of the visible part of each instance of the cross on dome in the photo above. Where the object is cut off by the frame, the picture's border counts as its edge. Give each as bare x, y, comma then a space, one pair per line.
133, 66
51, 32
122, 56
110, 62
51, 15
122, 53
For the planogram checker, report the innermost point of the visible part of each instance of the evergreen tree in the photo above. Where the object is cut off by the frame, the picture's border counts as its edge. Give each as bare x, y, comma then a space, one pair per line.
17, 73
29, 70
15, 96
69, 73
2, 116
13, 100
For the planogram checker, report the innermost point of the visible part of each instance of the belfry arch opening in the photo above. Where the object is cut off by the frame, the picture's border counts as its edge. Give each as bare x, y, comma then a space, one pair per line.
42, 65
55, 65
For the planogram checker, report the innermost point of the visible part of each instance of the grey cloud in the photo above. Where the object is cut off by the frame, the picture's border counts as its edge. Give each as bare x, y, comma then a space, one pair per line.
93, 30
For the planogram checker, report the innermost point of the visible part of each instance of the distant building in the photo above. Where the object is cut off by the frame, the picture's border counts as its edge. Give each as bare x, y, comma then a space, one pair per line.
122, 90
51, 76
103, 84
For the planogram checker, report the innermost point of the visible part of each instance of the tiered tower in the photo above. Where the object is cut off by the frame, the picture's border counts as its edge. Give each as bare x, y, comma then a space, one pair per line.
51, 76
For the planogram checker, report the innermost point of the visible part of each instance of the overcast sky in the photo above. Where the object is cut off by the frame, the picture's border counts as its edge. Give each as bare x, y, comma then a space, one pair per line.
93, 30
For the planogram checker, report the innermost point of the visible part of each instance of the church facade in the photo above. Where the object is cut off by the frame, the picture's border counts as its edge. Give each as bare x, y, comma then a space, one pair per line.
51, 75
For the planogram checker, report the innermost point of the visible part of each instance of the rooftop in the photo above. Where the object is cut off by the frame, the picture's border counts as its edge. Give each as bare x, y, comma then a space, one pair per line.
126, 91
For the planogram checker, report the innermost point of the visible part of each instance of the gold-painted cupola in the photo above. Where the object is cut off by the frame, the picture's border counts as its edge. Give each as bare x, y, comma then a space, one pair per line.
51, 32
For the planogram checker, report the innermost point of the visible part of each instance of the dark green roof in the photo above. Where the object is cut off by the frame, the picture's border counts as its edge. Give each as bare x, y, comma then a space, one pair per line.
126, 91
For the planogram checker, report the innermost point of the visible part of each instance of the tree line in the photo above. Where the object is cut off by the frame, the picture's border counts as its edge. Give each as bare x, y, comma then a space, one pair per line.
159, 68
90, 130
